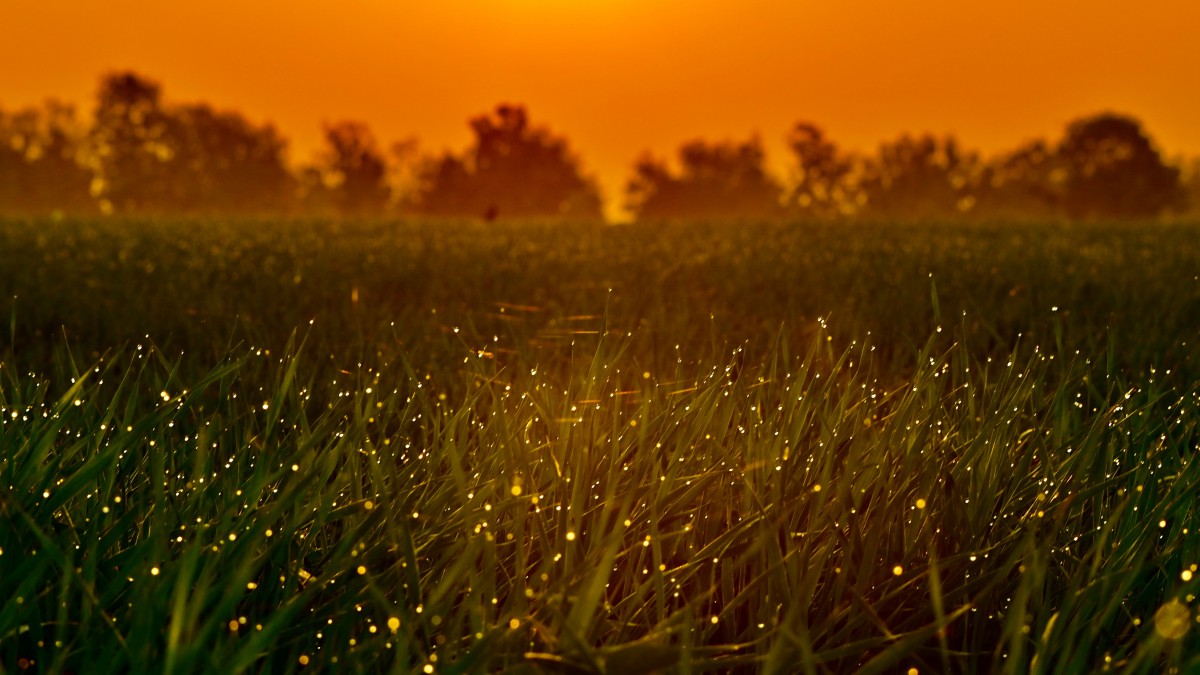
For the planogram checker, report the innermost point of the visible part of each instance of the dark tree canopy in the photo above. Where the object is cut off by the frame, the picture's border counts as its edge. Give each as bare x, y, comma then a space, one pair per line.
350, 177
512, 169
823, 187
224, 164
130, 141
918, 177
143, 155
153, 158
1112, 170
721, 180
1024, 183
42, 162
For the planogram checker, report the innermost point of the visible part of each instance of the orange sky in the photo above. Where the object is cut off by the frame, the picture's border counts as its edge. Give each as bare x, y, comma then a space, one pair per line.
621, 76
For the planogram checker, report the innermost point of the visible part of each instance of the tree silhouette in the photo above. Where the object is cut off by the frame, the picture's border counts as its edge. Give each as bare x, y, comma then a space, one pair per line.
221, 163
823, 187
724, 180
42, 156
142, 155
129, 139
1023, 183
512, 169
445, 189
350, 177
1112, 170
152, 158
918, 177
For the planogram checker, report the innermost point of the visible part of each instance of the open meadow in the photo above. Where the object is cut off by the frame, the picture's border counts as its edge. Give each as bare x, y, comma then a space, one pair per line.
288, 446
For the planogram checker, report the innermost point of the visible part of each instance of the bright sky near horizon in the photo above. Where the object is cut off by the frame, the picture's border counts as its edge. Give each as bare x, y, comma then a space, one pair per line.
619, 77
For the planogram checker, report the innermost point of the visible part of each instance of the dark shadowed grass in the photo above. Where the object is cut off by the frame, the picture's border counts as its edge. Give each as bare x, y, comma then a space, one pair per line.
197, 286
1031, 513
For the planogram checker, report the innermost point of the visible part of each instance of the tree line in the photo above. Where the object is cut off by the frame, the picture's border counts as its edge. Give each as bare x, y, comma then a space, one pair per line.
142, 155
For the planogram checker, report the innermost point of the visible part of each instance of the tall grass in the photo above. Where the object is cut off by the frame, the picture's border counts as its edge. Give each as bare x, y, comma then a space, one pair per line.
514, 487
1029, 514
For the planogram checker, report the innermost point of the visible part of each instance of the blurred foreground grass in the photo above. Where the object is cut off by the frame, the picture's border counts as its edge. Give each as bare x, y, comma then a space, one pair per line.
272, 447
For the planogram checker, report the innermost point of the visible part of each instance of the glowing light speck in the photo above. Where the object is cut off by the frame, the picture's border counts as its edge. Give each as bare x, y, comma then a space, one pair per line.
1172, 620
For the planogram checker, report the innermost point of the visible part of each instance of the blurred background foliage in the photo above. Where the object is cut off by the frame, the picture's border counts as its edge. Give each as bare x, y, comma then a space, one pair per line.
138, 153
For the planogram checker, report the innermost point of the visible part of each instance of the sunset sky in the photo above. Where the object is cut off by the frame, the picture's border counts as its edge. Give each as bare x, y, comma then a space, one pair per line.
622, 76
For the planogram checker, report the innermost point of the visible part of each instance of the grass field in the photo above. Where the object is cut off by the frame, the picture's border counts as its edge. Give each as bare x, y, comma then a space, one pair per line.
456, 448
